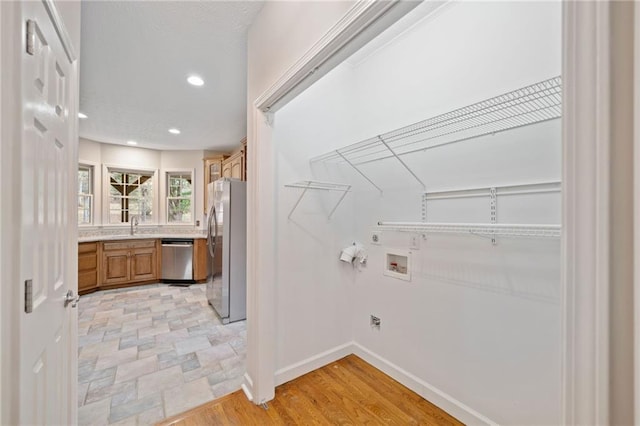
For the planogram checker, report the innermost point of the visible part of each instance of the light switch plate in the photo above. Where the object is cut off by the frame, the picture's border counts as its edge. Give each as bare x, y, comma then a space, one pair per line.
414, 241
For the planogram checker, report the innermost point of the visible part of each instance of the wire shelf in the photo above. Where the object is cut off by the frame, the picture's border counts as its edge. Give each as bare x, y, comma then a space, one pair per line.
532, 104
489, 230
322, 186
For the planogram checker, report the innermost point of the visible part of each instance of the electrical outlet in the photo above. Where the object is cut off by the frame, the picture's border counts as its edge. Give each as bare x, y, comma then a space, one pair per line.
375, 321
414, 242
375, 238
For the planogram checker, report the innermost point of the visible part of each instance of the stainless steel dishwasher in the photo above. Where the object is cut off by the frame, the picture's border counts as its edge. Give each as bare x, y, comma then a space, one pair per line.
177, 259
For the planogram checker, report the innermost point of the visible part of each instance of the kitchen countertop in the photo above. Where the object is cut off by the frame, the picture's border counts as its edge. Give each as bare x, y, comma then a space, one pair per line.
93, 238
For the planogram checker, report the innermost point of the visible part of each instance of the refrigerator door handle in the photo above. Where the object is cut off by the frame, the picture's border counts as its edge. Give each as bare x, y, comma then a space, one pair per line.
211, 238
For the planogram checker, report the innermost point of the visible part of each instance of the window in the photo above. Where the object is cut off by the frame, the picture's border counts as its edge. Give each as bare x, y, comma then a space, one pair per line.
130, 193
85, 195
179, 197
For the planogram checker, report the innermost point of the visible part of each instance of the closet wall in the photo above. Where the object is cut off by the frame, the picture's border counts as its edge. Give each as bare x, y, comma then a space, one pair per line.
478, 322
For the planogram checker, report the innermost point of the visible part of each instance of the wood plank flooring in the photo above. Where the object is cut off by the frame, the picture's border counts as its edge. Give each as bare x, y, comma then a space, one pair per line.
346, 392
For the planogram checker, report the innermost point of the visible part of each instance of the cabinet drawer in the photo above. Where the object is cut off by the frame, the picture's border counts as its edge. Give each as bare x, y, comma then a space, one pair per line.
143, 244
123, 245
87, 280
87, 248
87, 261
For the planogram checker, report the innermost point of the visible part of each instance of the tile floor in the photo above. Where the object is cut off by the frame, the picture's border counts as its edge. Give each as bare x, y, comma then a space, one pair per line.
150, 352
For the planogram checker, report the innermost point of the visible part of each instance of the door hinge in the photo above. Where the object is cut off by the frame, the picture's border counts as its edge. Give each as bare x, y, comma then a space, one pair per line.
31, 36
28, 296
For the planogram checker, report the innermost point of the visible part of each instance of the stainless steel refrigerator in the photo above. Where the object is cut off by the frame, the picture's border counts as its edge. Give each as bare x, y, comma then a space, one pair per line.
227, 241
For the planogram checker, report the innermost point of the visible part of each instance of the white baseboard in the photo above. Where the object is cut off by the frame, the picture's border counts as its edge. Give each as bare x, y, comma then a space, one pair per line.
305, 366
441, 399
247, 386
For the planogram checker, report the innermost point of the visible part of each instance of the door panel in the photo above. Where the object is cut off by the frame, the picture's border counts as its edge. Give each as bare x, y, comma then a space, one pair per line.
116, 266
46, 168
144, 264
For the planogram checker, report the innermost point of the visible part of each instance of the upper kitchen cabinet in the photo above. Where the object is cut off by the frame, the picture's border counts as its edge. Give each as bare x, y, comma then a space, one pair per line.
212, 172
236, 165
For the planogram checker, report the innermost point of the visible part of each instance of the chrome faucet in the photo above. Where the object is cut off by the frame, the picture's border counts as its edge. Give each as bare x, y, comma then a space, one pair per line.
134, 221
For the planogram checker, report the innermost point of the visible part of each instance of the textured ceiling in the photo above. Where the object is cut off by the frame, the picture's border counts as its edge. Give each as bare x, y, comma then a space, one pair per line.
135, 60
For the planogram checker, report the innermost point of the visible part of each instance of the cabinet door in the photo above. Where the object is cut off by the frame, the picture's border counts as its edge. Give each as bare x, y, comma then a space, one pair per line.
236, 167
87, 267
212, 172
116, 266
226, 169
144, 264
200, 259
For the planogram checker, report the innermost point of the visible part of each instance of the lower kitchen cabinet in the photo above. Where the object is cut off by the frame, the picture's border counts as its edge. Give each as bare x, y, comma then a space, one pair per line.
130, 262
200, 259
116, 266
88, 267
122, 263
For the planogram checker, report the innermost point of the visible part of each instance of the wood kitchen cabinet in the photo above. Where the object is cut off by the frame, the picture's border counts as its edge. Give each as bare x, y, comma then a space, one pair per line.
130, 262
88, 267
200, 260
116, 266
236, 165
212, 172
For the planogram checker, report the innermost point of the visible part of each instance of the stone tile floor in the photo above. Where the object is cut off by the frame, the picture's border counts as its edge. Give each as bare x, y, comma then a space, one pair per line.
147, 353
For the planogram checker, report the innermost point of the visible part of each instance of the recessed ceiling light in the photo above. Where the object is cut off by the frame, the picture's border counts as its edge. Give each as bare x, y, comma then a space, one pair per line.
132, 142
195, 80
83, 116
174, 131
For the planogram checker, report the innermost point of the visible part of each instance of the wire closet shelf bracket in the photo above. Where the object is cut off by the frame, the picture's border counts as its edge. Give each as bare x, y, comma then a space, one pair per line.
306, 185
532, 104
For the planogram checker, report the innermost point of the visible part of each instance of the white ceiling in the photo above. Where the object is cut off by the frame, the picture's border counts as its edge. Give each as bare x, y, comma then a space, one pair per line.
134, 63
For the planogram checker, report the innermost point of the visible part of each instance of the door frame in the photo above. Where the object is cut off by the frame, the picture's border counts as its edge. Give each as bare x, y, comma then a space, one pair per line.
585, 242
636, 213
10, 118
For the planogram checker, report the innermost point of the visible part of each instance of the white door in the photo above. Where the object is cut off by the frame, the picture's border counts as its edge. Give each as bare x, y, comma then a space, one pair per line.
48, 164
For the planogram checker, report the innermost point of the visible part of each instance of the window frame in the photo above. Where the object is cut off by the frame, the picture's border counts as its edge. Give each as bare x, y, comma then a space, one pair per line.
165, 194
93, 179
109, 168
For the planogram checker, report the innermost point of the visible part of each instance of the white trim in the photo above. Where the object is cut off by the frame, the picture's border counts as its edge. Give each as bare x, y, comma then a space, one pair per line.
60, 28
261, 261
636, 213
305, 366
332, 49
585, 244
429, 392
164, 215
96, 191
11, 28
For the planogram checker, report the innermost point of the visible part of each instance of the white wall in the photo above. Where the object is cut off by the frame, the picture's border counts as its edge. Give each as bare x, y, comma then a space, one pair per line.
480, 323
96, 154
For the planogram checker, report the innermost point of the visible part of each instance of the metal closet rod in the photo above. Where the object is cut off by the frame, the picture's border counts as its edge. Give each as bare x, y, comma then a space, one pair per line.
512, 230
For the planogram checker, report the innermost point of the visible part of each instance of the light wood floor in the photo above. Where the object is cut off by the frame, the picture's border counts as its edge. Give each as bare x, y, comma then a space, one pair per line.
346, 392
